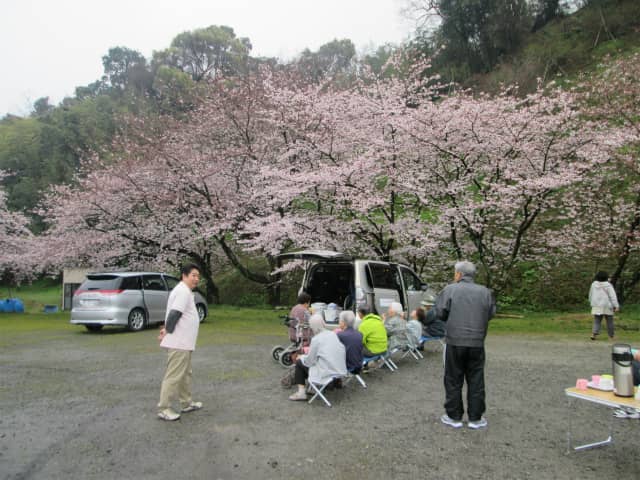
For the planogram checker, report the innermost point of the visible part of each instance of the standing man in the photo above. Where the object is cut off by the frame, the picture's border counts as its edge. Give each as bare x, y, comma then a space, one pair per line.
466, 308
179, 336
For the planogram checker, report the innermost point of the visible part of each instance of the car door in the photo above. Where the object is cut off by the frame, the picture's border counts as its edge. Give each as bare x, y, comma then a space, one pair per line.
155, 297
412, 287
386, 284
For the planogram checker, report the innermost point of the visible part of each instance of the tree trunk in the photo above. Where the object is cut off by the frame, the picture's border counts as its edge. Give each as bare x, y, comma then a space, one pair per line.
274, 292
244, 271
625, 252
204, 262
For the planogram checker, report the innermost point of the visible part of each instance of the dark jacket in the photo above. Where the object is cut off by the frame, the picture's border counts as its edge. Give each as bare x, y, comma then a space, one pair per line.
352, 341
466, 307
432, 326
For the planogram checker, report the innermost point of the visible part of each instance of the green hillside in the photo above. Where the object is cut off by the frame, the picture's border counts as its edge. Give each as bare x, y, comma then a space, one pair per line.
569, 45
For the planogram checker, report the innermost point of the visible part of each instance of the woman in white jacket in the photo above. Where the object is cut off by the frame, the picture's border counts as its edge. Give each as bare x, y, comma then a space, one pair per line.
604, 302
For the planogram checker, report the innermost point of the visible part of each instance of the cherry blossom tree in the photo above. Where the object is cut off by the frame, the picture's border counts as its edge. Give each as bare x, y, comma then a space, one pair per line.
393, 167
15, 242
610, 214
387, 169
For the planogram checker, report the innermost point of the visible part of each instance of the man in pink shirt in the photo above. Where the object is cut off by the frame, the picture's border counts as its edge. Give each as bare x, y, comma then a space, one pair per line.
179, 336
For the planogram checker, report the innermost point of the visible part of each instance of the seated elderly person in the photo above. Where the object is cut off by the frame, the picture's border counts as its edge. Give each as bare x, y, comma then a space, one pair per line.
374, 335
352, 341
414, 329
299, 313
326, 358
431, 325
396, 326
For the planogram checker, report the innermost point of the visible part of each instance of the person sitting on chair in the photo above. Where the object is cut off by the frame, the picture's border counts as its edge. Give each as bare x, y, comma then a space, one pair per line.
325, 360
352, 341
414, 329
396, 326
431, 325
374, 335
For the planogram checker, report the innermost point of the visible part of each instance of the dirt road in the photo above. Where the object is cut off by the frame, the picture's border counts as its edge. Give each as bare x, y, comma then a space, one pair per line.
82, 405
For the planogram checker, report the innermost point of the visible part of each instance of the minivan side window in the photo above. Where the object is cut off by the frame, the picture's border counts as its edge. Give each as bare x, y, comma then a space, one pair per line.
171, 282
411, 281
385, 276
130, 283
153, 282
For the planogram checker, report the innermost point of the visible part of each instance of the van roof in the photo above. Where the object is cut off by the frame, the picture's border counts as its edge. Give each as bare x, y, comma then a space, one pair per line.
315, 255
126, 274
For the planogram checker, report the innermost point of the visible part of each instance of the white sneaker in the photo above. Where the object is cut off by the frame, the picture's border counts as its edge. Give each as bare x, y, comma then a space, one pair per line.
447, 420
482, 423
299, 395
192, 407
168, 414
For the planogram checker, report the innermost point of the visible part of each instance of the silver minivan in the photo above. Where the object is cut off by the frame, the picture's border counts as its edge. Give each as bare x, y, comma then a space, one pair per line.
337, 278
131, 299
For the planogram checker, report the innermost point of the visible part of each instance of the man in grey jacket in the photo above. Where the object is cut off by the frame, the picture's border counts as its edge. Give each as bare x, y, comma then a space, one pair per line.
466, 308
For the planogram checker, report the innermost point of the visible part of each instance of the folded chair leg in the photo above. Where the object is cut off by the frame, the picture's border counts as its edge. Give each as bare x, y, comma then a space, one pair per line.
318, 393
418, 353
395, 367
359, 378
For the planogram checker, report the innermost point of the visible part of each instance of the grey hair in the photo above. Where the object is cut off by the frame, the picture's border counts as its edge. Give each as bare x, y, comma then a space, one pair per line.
316, 323
348, 318
466, 268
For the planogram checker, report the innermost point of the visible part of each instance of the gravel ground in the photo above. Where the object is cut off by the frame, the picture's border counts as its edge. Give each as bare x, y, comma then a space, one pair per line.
82, 405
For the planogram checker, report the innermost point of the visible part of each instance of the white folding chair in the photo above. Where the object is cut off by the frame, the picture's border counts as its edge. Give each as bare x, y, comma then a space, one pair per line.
357, 376
386, 361
318, 388
424, 339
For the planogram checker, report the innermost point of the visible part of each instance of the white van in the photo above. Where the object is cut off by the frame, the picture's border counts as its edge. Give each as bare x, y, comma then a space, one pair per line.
333, 277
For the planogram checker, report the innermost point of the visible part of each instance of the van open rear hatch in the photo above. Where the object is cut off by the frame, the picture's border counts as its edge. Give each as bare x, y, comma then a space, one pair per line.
315, 255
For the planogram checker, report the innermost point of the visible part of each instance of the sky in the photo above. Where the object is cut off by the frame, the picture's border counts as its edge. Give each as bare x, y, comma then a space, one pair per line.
49, 47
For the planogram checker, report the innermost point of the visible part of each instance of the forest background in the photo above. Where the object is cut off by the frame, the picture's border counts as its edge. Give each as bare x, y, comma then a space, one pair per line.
505, 132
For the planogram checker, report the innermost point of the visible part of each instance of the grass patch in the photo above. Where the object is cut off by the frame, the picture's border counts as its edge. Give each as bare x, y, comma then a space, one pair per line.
568, 324
35, 296
224, 325
228, 325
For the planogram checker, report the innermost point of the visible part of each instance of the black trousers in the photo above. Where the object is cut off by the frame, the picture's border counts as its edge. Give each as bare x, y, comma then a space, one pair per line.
301, 373
464, 363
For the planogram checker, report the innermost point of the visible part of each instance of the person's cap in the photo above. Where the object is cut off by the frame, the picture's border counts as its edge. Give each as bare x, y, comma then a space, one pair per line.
425, 303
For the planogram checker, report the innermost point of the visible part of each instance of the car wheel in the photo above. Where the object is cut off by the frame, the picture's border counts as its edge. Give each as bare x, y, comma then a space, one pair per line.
137, 320
276, 351
94, 327
285, 359
202, 312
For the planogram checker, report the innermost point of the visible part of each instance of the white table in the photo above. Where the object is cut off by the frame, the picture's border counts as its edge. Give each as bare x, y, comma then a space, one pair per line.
607, 399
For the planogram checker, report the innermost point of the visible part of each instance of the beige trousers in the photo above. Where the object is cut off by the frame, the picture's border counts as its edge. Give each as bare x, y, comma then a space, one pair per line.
177, 379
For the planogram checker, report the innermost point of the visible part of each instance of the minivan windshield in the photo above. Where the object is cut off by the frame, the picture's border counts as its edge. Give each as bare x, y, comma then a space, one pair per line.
101, 282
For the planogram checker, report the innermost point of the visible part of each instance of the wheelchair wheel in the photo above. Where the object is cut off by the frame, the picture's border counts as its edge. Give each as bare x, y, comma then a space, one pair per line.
285, 359
276, 351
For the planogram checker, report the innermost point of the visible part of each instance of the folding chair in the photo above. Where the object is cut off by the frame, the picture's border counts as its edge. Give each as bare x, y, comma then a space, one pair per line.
424, 339
386, 360
411, 349
318, 388
357, 376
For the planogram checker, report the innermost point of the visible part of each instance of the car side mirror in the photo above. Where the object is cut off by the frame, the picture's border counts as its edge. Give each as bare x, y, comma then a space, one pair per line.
424, 287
